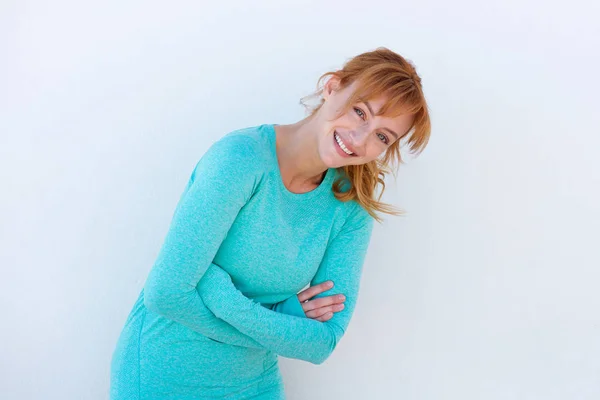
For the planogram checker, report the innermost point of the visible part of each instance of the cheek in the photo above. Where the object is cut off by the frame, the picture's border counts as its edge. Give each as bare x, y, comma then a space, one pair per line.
333, 114
373, 152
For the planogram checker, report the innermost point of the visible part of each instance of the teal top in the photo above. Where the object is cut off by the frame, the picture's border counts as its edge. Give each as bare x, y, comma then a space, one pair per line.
240, 247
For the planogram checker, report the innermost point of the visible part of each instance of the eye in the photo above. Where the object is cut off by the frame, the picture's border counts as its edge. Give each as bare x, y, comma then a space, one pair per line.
359, 112
383, 138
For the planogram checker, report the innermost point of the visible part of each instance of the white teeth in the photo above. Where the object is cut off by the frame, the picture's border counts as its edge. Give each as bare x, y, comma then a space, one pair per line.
337, 139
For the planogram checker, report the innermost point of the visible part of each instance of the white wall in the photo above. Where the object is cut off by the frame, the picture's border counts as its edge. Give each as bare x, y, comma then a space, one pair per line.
487, 289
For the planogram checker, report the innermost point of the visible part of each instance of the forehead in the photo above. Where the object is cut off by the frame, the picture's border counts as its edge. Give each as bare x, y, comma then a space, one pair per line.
376, 102
395, 120
399, 124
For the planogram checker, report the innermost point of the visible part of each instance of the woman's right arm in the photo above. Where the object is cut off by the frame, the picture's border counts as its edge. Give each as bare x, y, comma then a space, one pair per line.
222, 182
217, 329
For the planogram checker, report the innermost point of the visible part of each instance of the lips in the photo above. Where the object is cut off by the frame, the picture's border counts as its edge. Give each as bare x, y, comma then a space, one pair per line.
345, 144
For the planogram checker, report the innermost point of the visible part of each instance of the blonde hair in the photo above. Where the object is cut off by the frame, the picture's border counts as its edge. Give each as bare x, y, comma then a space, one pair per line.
379, 72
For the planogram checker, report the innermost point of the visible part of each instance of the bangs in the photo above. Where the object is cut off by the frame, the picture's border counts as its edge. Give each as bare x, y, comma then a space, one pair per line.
401, 97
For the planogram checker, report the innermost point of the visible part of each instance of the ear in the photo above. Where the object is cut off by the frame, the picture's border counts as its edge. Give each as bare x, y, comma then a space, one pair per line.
331, 86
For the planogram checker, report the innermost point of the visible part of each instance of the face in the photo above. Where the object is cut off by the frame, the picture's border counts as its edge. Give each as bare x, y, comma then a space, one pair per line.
357, 136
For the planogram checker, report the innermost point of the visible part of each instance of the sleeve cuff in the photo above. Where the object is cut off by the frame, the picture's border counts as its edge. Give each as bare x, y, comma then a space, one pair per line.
290, 306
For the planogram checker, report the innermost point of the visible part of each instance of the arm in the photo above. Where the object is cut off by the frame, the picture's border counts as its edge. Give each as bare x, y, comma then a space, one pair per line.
291, 336
204, 321
220, 185
221, 331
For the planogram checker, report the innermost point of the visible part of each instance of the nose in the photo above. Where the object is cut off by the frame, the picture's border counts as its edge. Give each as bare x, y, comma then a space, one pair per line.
358, 138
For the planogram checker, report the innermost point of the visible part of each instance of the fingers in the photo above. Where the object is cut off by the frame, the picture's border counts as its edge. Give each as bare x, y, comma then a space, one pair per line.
325, 317
324, 312
322, 308
314, 290
323, 302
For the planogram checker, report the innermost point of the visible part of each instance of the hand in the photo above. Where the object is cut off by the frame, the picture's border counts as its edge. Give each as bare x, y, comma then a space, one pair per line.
322, 308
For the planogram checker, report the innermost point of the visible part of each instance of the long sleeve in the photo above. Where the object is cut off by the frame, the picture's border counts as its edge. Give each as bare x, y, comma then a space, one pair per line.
289, 306
203, 320
218, 188
292, 336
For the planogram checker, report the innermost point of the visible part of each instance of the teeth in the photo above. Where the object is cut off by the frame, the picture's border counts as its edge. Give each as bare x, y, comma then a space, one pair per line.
337, 139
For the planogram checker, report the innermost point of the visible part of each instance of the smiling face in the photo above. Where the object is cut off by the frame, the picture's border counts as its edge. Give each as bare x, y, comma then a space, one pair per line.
358, 135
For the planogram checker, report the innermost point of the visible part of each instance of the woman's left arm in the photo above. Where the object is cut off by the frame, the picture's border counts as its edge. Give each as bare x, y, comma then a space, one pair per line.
287, 335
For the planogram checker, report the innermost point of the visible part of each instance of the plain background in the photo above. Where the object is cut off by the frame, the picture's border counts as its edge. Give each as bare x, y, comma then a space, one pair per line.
486, 289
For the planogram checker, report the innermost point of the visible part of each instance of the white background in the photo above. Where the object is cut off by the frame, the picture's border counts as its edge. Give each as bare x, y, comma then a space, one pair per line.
486, 289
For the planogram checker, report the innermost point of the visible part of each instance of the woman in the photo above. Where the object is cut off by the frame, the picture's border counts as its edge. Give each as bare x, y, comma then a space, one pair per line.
268, 210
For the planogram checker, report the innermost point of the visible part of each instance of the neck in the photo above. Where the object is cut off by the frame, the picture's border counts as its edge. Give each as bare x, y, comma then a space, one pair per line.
298, 155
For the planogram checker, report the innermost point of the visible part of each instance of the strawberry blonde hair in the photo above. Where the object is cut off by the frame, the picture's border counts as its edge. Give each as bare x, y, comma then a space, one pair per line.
379, 73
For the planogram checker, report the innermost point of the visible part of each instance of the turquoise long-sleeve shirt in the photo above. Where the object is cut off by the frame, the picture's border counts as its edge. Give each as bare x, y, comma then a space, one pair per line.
239, 248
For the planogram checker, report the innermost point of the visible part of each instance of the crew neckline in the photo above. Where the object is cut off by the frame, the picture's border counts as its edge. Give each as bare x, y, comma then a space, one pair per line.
325, 184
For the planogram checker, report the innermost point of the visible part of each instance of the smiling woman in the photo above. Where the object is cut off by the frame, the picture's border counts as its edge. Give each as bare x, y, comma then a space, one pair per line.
267, 211
371, 106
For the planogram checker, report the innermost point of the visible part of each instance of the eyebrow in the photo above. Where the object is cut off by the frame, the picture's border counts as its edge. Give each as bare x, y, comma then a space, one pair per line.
387, 129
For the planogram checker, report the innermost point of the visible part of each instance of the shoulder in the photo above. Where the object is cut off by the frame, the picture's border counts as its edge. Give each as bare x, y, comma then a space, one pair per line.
354, 236
235, 163
239, 152
240, 145
358, 218
251, 138
356, 223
